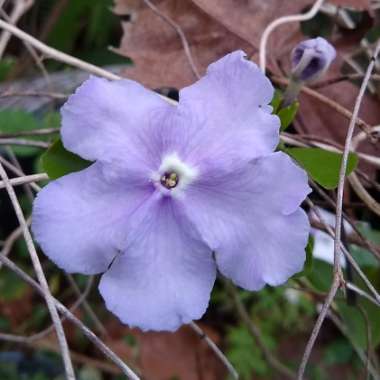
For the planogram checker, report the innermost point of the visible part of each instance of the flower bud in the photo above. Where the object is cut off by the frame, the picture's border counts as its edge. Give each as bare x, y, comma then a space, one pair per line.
311, 58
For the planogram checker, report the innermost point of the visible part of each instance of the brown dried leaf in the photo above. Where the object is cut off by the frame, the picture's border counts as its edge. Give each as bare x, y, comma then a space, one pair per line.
163, 356
216, 27
213, 28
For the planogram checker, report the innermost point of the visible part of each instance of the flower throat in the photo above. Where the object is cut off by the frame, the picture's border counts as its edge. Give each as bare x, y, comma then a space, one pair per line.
169, 179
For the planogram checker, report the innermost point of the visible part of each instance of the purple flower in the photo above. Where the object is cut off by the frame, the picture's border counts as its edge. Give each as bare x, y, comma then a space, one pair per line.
175, 193
311, 59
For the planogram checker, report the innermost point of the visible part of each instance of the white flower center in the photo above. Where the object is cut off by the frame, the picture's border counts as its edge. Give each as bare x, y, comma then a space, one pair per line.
173, 175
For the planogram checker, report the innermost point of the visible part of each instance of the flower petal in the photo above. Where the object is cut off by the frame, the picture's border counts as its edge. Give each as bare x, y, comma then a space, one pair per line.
229, 111
274, 250
164, 277
79, 220
103, 120
251, 218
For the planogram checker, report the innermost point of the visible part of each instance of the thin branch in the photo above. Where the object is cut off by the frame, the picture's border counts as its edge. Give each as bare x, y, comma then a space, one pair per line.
317, 327
71, 317
363, 194
18, 172
341, 78
359, 189
34, 132
255, 332
216, 350
24, 142
329, 102
18, 10
80, 358
25, 179
181, 35
361, 274
41, 276
294, 140
42, 334
81, 299
12, 157
284, 20
364, 242
11, 240
50, 52
337, 281
362, 293
338, 276
346, 253
37, 94
343, 168
87, 306
359, 351
56, 54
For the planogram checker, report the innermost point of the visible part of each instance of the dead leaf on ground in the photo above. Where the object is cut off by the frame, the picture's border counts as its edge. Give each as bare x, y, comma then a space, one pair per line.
213, 29
216, 27
163, 355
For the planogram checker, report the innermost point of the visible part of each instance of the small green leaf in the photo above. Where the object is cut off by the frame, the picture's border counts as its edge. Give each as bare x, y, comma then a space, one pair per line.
356, 323
89, 373
309, 255
308, 267
57, 161
322, 166
276, 101
14, 121
6, 64
287, 114
11, 287
320, 25
338, 352
320, 275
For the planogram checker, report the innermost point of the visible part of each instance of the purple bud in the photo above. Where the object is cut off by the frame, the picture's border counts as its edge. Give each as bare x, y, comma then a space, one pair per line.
311, 58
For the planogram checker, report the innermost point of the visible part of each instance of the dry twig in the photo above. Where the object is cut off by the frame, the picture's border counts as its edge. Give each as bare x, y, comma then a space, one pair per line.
71, 317
41, 276
338, 276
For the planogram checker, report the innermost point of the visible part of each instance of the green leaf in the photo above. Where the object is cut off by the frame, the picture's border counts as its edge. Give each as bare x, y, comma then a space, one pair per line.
89, 373
6, 64
244, 354
51, 120
276, 101
308, 267
361, 255
287, 114
57, 161
322, 166
320, 25
338, 352
356, 323
320, 276
309, 255
13, 121
11, 287
373, 35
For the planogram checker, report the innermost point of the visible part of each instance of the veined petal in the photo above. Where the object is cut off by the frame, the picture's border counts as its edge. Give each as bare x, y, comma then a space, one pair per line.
228, 112
164, 277
251, 218
79, 220
105, 120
